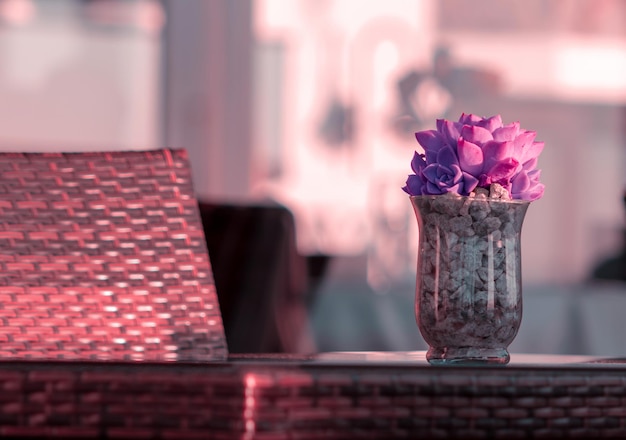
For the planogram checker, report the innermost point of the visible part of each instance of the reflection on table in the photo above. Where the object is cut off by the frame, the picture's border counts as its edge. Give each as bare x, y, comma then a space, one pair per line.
579, 319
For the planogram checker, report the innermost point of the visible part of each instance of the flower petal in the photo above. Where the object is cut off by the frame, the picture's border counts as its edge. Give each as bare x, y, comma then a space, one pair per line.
531, 151
449, 130
494, 151
491, 123
469, 183
418, 163
506, 133
414, 185
536, 192
447, 157
469, 119
520, 183
502, 170
523, 139
431, 188
431, 140
470, 157
476, 135
530, 165
431, 172
455, 188
457, 174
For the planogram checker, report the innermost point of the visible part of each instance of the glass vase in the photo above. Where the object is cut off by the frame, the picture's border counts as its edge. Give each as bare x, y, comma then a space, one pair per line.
468, 296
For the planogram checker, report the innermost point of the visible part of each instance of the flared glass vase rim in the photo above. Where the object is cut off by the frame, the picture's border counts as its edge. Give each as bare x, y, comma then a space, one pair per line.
460, 197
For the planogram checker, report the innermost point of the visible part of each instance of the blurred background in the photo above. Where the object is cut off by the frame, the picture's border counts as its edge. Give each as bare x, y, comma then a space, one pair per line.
311, 105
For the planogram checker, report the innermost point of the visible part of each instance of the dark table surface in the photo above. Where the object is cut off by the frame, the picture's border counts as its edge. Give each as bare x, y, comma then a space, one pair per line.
331, 395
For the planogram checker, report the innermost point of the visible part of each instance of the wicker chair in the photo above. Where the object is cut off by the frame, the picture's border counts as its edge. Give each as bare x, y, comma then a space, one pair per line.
103, 257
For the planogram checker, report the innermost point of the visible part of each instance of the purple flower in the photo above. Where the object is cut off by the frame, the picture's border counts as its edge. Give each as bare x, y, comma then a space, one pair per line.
526, 186
476, 152
415, 182
445, 174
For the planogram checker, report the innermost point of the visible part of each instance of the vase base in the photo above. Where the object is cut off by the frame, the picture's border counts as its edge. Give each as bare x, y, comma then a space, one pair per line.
467, 356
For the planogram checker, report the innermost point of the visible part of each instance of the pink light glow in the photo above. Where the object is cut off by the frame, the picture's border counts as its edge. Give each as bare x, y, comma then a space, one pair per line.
592, 69
17, 12
249, 406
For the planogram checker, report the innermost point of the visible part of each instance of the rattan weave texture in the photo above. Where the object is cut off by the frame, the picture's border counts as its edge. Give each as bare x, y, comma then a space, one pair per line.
368, 402
78, 400
103, 257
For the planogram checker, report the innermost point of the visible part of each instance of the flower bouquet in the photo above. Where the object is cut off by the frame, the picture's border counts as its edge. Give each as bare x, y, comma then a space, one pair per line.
470, 190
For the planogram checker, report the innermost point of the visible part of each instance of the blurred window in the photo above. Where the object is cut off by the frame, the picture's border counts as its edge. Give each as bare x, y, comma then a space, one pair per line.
343, 84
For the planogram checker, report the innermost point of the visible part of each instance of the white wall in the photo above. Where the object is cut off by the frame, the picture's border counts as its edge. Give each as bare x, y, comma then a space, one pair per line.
66, 86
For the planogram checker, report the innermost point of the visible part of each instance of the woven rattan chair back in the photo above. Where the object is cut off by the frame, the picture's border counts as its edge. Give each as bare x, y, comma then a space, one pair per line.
103, 257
